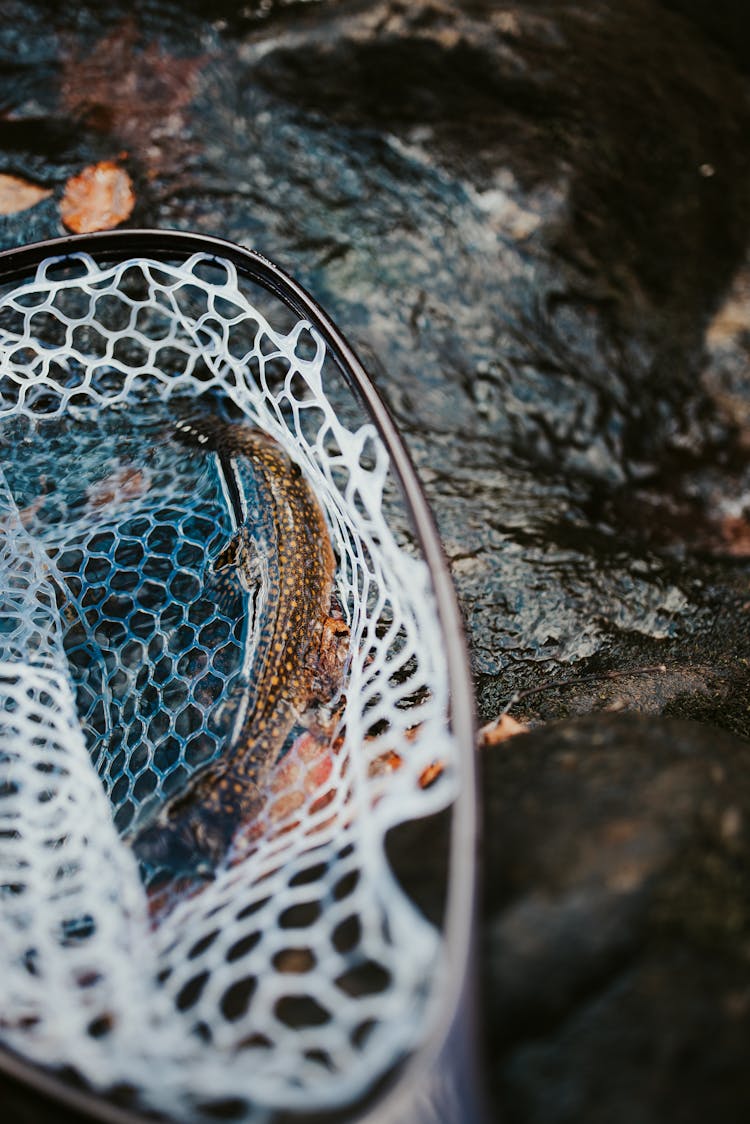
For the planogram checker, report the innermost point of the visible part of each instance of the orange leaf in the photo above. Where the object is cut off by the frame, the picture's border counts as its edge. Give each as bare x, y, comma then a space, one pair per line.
99, 198
505, 727
18, 195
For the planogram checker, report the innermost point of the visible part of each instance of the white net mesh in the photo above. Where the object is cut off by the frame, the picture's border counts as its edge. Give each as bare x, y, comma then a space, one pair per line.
298, 974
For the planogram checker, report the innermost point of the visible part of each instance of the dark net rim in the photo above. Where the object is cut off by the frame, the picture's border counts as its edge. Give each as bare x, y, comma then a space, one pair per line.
454, 1017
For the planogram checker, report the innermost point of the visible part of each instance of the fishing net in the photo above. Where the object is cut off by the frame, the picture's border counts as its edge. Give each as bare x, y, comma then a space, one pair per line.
302, 971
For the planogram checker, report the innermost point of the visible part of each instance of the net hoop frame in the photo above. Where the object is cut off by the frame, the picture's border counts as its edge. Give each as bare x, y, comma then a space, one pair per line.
451, 1040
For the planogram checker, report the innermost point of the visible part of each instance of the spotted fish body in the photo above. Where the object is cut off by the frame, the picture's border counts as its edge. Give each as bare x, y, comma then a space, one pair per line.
285, 555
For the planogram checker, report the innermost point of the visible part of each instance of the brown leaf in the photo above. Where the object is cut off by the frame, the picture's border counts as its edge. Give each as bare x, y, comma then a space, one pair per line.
495, 732
99, 198
18, 195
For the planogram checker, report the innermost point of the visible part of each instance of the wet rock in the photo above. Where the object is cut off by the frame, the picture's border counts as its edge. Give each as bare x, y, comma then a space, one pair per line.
617, 939
37, 223
704, 675
546, 89
554, 331
726, 22
728, 357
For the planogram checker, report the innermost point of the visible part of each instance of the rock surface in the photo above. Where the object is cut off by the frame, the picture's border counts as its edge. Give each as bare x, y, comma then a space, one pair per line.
617, 936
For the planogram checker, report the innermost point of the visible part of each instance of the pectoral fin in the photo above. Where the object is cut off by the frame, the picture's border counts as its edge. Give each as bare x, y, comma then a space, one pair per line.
239, 556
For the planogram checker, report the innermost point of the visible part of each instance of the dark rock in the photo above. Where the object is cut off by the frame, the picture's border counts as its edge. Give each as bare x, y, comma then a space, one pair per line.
727, 22
617, 922
625, 104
